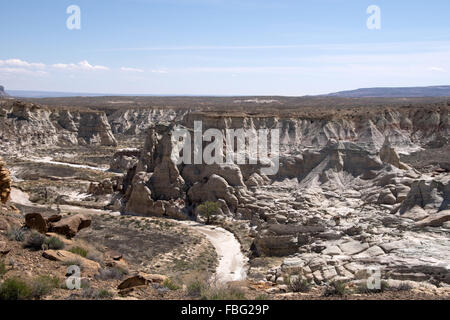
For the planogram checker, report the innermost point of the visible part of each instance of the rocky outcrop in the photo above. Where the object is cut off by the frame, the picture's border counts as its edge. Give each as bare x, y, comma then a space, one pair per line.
25, 125
5, 182
431, 195
389, 155
124, 160
70, 226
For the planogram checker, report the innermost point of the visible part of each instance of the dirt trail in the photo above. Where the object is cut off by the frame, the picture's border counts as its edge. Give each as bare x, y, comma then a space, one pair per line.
73, 165
232, 262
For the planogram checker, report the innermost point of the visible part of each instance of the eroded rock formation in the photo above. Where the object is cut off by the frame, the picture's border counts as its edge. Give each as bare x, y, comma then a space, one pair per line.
28, 126
5, 182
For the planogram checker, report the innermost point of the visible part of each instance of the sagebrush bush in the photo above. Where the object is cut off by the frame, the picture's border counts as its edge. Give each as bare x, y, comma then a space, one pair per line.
364, 289
43, 285
34, 240
54, 243
170, 284
96, 294
15, 289
297, 283
195, 287
16, 234
2, 268
223, 293
79, 251
336, 288
113, 273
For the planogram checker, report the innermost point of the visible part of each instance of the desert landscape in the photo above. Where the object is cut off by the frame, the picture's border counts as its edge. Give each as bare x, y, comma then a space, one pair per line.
359, 208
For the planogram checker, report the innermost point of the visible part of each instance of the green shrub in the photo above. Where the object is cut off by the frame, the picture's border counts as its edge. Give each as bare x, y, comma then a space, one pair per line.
208, 209
54, 243
169, 284
195, 287
94, 294
223, 293
15, 289
34, 241
404, 286
337, 288
16, 234
43, 285
363, 289
104, 294
2, 268
297, 283
79, 251
113, 273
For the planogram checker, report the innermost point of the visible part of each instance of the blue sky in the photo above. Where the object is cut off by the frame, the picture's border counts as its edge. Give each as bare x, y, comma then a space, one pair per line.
223, 47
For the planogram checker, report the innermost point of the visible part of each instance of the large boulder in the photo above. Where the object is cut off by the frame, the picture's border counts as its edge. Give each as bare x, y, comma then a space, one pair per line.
89, 267
214, 188
70, 226
141, 279
36, 222
434, 220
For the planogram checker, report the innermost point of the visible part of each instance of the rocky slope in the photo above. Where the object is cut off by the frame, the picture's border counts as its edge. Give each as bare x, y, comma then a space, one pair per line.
29, 126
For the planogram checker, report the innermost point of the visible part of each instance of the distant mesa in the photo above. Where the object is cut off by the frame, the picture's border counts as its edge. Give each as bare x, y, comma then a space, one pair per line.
400, 92
2, 92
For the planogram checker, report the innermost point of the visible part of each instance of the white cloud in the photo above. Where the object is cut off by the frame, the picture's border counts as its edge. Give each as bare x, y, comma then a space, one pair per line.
82, 65
21, 64
22, 71
126, 69
437, 69
159, 71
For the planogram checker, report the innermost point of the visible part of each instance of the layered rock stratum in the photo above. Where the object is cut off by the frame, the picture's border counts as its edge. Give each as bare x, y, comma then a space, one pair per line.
30, 126
341, 203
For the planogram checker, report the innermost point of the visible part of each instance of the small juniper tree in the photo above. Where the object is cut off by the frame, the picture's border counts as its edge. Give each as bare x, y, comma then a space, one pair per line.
208, 209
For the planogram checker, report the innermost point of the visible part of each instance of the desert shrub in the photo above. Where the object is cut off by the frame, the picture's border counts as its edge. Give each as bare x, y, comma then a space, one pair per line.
95, 255
34, 241
262, 296
95, 294
208, 209
79, 251
16, 234
404, 286
297, 283
104, 294
223, 293
336, 288
54, 243
43, 285
15, 289
170, 284
195, 287
364, 289
2, 268
113, 273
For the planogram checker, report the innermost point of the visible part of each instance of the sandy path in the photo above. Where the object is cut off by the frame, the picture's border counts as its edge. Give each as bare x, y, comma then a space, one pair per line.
73, 165
232, 262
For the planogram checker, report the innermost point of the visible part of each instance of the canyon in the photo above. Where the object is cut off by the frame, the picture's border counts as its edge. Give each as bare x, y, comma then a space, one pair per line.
363, 184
